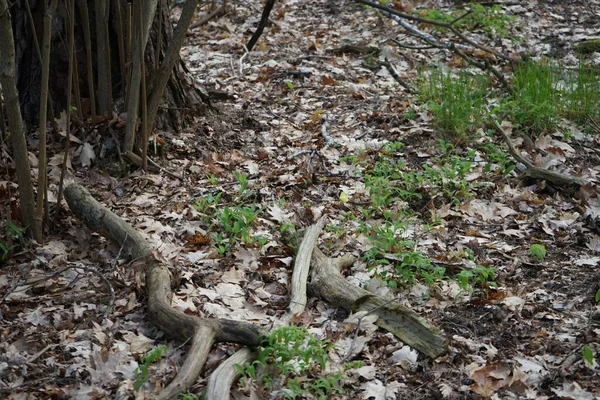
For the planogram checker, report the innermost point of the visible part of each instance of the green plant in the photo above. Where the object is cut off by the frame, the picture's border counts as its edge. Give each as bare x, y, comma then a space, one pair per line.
287, 354
354, 364
480, 275
533, 104
588, 355
205, 204
5, 251
188, 396
498, 160
538, 251
581, 94
141, 371
597, 297
457, 104
12, 233
492, 20
237, 221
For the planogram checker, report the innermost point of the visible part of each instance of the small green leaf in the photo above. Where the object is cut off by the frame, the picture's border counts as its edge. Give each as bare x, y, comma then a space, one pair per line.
598, 296
538, 251
290, 85
588, 355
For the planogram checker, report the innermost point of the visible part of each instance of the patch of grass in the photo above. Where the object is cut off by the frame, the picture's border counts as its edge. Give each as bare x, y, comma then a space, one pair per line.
581, 94
456, 103
290, 363
545, 92
535, 99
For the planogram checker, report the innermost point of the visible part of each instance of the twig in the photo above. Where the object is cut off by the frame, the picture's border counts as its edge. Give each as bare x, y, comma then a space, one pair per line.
485, 66
261, 25
446, 25
397, 77
217, 13
30, 284
561, 180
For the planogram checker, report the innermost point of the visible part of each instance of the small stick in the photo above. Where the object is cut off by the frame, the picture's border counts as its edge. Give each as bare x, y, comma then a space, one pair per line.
261, 25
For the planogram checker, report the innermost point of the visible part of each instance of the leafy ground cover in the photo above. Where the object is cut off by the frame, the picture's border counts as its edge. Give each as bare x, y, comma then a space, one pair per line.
417, 186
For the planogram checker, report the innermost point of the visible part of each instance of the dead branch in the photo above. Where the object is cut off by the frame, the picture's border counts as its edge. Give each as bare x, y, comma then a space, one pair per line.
203, 332
215, 14
221, 380
261, 25
329, 284
561, 180
447, 25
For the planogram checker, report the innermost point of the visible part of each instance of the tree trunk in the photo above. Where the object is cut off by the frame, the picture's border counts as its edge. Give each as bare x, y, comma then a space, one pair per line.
181, 100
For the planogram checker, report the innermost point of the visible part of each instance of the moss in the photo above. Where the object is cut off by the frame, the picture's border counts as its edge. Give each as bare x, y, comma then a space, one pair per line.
588, 46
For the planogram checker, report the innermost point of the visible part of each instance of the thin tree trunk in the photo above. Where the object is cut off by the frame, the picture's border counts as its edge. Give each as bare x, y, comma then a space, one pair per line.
133, 103
42, 178
103, 57
8, 80
171, 57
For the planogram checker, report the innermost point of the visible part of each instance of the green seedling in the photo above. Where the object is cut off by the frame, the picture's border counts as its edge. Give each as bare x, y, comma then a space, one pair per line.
242, 180
588, 355
538, 251
188, 396
141, 371
480, 275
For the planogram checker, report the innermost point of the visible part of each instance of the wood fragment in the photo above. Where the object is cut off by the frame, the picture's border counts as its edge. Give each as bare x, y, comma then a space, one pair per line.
329, 284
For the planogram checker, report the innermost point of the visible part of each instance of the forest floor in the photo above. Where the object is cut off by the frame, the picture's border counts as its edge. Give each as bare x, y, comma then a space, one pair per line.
307, 127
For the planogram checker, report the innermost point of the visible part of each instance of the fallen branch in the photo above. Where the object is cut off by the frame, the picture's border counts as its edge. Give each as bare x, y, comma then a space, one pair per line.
562, 180
329, 284
447, 25
203, 332
261, 25
221, 380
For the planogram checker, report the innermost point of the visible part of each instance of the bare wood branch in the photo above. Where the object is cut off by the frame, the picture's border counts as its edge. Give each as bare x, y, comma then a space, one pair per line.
447, 25
561, 180
328, 283
203, 332
261, 25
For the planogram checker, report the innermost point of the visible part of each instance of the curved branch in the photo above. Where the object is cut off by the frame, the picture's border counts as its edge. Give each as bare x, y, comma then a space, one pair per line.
203, 332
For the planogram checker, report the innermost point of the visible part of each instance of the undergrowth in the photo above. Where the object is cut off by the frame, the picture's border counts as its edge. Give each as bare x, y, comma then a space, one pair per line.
392, 225
290, 363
